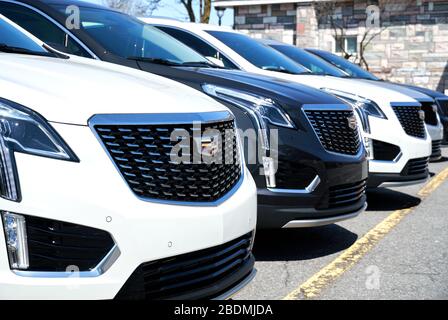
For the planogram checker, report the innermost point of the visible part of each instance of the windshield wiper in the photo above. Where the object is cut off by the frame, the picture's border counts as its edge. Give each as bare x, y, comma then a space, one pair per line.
165, 62
201, 64
283, 70
10, 49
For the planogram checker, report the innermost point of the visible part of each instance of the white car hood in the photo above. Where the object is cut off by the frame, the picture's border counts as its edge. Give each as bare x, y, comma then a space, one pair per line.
381, 95
73, 90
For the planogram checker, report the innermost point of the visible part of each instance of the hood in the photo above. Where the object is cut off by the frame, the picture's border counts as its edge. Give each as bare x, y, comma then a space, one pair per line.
417, 95
380, 95
432, 93
73, 90
272, 87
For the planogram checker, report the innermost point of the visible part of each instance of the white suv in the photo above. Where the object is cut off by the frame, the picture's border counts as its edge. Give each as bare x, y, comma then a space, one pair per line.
92, 205
394, 129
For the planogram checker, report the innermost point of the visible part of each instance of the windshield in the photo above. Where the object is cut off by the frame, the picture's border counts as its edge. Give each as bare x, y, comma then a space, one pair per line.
258, 54
128, 37
12, 37
310, 61
352, 69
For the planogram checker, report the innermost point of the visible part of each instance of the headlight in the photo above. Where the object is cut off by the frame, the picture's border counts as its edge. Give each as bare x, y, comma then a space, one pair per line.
363, 107
265, 108
23, 130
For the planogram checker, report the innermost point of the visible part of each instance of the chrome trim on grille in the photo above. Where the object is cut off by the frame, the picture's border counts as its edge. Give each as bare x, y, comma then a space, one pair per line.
309, 189
100, 269
168, 119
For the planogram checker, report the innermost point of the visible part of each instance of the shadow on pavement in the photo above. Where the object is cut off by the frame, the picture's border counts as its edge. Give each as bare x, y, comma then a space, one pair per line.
389, 200
302, 244
443, 159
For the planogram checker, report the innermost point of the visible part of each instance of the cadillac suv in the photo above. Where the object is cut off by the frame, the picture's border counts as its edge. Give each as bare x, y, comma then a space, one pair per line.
93, 205
307, 175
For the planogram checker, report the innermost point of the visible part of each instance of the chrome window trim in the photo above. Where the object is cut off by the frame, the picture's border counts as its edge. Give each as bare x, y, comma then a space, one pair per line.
169, 119
100, 269
309, 189
334, 107
57, 24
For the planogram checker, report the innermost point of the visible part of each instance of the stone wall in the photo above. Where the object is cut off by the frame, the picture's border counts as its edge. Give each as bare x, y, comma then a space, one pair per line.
276, 21
412, 49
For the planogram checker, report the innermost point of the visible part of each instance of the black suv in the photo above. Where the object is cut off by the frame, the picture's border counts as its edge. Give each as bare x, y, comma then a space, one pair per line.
322, 165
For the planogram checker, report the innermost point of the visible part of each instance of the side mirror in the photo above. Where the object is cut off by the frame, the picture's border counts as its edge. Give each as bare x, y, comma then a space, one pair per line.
216, 61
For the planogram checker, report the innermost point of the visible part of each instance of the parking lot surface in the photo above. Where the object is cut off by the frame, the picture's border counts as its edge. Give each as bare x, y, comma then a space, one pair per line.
397, 249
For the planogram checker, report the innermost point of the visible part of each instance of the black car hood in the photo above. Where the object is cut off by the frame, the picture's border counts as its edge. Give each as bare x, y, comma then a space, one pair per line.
274, 87
432, 93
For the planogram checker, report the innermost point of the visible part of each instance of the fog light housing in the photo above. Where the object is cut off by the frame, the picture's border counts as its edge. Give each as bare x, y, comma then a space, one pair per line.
16, 240
368, 144
269, 171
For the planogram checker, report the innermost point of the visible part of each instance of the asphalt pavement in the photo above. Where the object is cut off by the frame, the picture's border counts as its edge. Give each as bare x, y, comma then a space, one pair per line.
409, 262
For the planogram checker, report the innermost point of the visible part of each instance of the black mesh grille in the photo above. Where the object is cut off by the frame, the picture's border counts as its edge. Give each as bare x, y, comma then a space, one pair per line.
385, 151
347, 194
55, 245
410, 120
436, 149
334, 132
198, 275
443, 106
142, 154
430, 114
416, 167
293, 175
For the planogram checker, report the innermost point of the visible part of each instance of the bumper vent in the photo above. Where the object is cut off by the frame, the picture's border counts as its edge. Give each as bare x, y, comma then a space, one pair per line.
347, 194
410, 120
54, 245
142, 154
334, 131
385, 151
430, 115
203, 274
436, 149
293, 175
416, 167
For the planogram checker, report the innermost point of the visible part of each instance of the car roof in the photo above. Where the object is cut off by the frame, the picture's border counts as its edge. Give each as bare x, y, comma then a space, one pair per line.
183, 24
272, 42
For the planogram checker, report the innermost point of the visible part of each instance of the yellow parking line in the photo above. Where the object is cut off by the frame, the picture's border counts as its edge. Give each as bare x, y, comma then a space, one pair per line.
314, 285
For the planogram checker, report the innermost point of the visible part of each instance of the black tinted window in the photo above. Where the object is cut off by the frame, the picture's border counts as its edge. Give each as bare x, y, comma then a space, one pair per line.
310, 61
12, 37
126, 37
258, 54
349, 67
42, 28
198, 45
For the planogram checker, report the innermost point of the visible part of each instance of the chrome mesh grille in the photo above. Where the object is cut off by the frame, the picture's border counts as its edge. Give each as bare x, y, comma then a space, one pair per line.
410, 120
334, 132
142, 153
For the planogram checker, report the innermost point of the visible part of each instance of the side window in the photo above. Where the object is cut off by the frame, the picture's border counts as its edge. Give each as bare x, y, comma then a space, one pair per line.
42, 28
198, 45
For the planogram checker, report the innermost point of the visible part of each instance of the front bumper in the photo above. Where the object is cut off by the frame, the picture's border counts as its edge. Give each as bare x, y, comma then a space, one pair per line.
92, 193
411, 148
